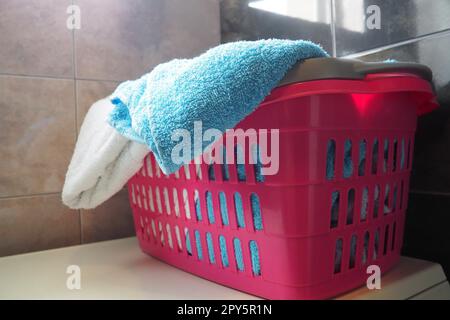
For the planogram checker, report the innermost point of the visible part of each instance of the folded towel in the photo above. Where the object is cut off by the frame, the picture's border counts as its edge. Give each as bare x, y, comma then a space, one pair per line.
219, 88
103, 160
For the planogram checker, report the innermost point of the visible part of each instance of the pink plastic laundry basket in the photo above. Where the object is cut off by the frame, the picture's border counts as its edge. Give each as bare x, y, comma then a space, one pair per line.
319, 231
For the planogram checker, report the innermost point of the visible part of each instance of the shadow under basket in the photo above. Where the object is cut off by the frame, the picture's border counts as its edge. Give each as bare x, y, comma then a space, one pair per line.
335, 206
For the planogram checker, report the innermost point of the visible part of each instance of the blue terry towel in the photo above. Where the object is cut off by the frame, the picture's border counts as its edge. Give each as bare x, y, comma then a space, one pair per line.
220, 88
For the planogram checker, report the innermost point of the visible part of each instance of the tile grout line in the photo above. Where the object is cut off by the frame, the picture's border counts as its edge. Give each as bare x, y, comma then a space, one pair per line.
17, 75
333, 27
29, 195
74, 68
433, 35
432, 193
75, 88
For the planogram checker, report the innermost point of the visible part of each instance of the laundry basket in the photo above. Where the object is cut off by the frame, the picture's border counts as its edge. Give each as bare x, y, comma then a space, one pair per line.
336, 205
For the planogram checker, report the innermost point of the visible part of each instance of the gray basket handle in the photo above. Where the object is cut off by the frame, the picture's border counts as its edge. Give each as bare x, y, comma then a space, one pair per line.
339, 68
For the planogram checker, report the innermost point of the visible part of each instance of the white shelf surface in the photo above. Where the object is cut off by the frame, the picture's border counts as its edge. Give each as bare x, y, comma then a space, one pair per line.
118, 269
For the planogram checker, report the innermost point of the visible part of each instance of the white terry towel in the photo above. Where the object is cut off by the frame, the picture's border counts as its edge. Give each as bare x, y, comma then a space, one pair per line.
103, 160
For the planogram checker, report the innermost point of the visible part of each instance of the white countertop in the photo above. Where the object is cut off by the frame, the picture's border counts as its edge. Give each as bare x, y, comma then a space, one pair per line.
119, 270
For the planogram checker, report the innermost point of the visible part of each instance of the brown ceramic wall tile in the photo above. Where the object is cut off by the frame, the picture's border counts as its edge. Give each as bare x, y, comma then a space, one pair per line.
89, 92
38, 117
36, 223
134, 36
37, 121
111, 220
34, 38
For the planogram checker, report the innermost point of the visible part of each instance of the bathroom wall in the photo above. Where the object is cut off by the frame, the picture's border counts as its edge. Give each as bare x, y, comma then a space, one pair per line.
410, 30
49, 76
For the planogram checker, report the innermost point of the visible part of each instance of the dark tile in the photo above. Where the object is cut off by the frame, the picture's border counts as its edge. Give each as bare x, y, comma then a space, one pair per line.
400, 20
431, 51
426, 232
37, 121
309, 20
37, 223
134, 36
111, 220
431, 166
34, 38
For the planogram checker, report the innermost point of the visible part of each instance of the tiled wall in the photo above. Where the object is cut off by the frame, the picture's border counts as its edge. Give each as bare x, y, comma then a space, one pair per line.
49, 76
411, 30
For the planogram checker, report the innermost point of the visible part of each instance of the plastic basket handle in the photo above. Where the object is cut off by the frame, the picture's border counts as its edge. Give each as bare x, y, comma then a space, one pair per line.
340, 68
